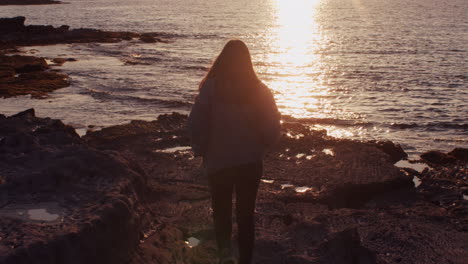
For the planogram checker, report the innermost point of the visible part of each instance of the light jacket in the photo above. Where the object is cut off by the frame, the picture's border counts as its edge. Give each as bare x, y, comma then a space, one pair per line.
228, 134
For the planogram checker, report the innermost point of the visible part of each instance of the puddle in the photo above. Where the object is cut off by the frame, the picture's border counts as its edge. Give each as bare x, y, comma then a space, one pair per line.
41, 215
419, 167
174, 149
287, 185
328, 152
309, 157
47, 212
302, 189
192, 242
267, 181
298, 136
300, 155
81, 131
416, 181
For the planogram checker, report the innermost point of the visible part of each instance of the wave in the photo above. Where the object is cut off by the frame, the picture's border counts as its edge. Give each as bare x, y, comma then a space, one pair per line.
430, 126
192, 67
104, 95
328, 121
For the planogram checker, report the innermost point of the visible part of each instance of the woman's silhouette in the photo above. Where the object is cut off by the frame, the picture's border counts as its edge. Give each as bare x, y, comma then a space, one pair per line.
233, 121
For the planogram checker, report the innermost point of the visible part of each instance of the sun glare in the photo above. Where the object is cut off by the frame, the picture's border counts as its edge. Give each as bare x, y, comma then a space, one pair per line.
296, 40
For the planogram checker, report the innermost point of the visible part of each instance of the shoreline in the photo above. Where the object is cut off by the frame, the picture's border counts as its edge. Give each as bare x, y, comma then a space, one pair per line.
405, 133
23, 75
335, 199
322, 199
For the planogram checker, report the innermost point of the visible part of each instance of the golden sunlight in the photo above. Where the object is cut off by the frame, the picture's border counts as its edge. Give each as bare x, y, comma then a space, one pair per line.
296, 40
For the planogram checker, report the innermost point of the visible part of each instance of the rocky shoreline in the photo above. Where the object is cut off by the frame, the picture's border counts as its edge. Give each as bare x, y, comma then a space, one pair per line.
22, 75
135, 193
137, 189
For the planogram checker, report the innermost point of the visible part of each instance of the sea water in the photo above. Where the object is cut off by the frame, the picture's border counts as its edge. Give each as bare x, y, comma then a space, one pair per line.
371, 69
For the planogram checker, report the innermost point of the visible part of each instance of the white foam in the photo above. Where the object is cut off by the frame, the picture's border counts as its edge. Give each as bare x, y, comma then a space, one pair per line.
328, 152
302, 189
174, 149
267, 181
419, 167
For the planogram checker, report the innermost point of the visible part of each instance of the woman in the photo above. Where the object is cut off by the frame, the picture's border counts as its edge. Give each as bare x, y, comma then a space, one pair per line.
233, 121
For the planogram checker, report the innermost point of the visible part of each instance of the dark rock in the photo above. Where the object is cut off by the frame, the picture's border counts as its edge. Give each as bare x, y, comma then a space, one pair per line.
98, 196
38, 84
437, 158
395, 151
64, 28
460, 154
22, 35
379, 218
6, 73
28, 2
29, 114
148, 39
59, 61
22, 64
345, 247
11, 24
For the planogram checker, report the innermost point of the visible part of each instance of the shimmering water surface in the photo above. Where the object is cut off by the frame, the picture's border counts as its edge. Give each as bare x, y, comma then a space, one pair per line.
372, 69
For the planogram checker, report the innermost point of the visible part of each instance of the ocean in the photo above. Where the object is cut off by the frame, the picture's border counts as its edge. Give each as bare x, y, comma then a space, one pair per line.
361, 69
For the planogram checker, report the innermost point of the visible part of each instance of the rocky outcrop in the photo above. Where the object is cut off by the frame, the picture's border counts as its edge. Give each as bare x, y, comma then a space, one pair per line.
13, 31
28, 2
322, 200
21, 75
62, 201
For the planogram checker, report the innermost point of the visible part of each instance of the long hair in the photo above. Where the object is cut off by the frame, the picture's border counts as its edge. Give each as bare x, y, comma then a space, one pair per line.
236, 80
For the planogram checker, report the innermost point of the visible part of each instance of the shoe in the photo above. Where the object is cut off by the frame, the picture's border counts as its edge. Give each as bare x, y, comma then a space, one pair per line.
227, 258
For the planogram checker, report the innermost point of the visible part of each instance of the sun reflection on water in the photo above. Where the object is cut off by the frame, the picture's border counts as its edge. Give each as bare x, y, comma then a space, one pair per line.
296, 41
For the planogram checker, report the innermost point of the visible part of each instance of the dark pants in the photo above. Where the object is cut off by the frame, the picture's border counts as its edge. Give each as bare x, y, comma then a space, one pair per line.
244, 180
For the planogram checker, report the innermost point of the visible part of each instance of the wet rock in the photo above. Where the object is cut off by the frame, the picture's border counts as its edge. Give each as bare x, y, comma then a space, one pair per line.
29, 2
22, 35
395, 151
384, 221
21, 75
61, 61
380, 209
6, 73
23, 64
11, 24
96, 195
460, 154
437, 158
150, 38
37, 84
